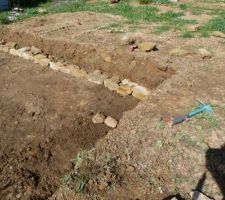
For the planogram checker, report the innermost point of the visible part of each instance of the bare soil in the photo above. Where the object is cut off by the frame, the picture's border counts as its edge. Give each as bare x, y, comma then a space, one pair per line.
45, 116
45, 121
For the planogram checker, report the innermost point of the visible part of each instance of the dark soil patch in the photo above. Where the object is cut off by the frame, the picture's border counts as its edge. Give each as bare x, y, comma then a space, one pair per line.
45, 121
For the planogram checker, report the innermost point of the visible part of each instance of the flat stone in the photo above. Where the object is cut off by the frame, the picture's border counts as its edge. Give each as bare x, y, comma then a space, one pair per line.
140, 92
97, 77
124, 90
27, 55
115, 79
14, 52
129, 83
98, 118
178, 52
77, 72
205, 53
110, 84
218, 34
106, 57
5, 49
147, 46
198, 196
44, 62
54, 66
64, 69
193, 28
111, 122
11, 44
35, 51
39, 57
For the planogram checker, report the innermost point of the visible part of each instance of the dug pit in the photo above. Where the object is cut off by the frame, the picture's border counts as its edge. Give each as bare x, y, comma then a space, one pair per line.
46, 116
88, 44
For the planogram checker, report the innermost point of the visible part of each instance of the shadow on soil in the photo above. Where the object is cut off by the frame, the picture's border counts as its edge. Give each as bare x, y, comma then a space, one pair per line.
215, 163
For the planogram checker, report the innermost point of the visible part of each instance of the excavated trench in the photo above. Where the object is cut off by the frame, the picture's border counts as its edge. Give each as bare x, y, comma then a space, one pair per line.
46, 115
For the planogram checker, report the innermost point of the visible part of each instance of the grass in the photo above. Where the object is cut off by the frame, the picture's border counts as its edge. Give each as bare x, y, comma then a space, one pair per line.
133, 14
216, 24
3, 18
187, 34
154, 1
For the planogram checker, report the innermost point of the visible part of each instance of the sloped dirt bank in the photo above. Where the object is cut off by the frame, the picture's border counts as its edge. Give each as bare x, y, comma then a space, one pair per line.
84, 42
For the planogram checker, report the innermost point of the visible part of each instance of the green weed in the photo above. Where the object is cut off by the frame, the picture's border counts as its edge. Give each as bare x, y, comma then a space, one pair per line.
216, 24
187, 35
4, 18
79, 159
154, 1
160, 144
67, 180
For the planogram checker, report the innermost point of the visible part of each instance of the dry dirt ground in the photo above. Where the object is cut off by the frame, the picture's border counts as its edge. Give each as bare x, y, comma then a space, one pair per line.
45, 116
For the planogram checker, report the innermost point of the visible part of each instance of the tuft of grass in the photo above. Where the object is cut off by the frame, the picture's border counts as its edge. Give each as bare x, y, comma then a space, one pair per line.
79, 159
154, 1
67, 179
163, 28
159, 144
187, 34
4, 18
216, 24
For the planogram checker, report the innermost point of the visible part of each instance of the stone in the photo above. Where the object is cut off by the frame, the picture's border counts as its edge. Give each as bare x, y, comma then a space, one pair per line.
205, 53
106, 57
14, 52
198, 196
98, 118
147, 46
5, 49
54, 66
111, 122
27, 55
124, 90
130, 168
64, 69
115, 79
97, 77
77, 72
110, 84
178, 52
129, 83
103, 185
39, 57
35, 51
193, 28
2, 42
44, 62
11, 44
218, 34
162, 67
140, 92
